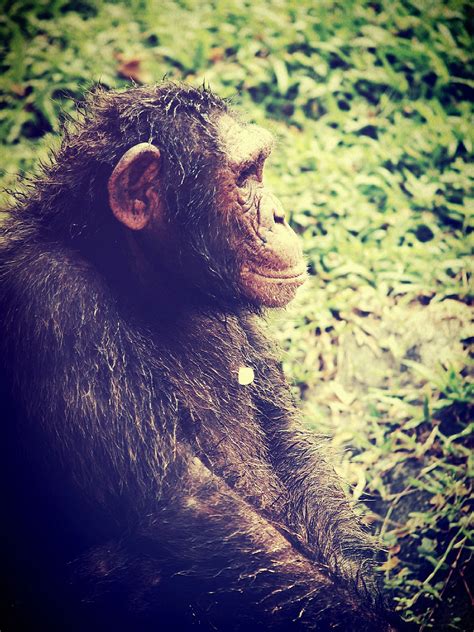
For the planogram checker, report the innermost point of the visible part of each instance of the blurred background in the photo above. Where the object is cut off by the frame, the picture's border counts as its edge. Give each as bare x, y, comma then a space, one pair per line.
371, 103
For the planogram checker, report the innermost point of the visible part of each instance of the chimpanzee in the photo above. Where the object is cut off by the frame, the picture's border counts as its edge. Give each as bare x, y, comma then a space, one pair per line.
155, 473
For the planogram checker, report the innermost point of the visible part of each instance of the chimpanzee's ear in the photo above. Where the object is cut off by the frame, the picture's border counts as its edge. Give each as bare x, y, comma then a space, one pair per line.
133, 191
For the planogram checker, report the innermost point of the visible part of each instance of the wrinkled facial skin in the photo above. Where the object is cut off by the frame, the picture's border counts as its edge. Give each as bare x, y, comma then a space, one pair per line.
271, 264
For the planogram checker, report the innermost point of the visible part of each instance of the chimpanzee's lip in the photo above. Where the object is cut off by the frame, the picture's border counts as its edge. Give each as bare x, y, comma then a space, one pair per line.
289, 275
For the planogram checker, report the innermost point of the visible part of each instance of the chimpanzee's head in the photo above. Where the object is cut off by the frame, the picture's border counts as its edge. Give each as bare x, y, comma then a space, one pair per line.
166, 183
195, 192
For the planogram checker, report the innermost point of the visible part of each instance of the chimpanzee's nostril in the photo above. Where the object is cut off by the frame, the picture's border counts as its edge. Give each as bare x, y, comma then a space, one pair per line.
278, 216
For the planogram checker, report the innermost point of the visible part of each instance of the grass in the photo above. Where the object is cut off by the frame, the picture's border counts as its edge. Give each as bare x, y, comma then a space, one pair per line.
371, 104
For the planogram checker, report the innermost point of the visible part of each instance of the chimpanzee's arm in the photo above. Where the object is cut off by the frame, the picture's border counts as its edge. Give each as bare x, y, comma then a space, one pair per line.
206, 558
317, 509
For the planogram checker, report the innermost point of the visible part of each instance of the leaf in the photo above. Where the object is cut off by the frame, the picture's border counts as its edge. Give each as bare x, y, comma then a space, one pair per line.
281, 74
390, 564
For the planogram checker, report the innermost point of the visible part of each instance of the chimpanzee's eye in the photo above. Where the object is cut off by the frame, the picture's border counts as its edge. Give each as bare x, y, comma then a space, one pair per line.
247, 172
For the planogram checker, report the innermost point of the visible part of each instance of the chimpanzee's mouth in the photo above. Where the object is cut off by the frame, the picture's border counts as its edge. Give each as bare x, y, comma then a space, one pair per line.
289, 275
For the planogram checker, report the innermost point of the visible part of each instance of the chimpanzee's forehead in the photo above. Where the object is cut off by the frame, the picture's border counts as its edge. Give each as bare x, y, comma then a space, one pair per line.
243, 143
